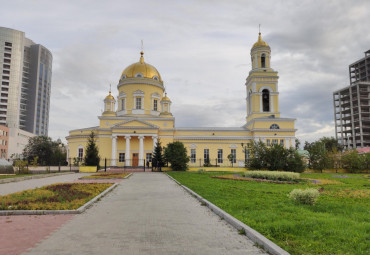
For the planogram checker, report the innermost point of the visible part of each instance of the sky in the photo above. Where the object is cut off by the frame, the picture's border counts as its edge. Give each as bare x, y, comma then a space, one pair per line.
201, 48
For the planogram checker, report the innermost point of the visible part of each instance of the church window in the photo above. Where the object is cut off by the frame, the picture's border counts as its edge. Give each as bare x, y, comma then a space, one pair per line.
155, 105
80, 153
123, 76
138, 103
206, 156
148, 157
282, 142
233, 152
156, 78
263, 60
139, 75
123, 104
193, 156
274, 126
266, 100
121, 157
275, 141
268, 141
220, 156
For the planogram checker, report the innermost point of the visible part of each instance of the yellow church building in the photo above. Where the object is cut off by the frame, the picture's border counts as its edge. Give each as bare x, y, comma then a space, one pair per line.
141, 114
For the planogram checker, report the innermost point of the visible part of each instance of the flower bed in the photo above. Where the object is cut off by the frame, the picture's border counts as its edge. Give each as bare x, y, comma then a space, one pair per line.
273, 175
106, 176
241, 178
60, 196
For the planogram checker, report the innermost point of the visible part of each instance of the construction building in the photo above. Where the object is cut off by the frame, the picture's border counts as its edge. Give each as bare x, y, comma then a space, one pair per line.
352, 107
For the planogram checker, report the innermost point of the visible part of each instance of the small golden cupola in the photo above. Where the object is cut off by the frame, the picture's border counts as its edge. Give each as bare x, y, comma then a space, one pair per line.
166, 105
109, 104
260, 54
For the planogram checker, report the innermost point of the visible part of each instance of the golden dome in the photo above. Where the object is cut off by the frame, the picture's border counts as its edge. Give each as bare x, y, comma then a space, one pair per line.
109, 97
141, 69
260, 42
165, 98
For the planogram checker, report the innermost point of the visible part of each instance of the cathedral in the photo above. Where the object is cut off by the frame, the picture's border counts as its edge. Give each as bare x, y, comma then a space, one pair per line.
140, 114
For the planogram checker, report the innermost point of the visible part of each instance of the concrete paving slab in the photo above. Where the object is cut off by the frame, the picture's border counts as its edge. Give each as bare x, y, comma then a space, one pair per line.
147, 214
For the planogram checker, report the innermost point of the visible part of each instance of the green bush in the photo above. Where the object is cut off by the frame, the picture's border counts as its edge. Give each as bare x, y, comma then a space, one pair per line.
273, 175
355, 162
307, 196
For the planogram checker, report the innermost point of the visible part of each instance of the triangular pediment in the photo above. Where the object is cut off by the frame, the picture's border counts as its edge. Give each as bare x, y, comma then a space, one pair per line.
134, 123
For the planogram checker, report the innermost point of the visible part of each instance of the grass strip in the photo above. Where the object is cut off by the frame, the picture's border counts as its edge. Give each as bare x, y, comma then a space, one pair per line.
338, 223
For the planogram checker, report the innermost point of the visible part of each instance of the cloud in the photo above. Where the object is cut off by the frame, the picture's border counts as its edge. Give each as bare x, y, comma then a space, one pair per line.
201, 49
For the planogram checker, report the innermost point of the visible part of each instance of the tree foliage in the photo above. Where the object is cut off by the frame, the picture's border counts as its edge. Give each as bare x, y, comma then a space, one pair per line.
275, 158
355, 162
44, 151
91, 157
331, 144
175, 153
158, 158
318, 158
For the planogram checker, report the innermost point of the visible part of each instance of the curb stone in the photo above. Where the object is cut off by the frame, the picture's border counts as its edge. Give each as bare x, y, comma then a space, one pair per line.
44, 212
252, 234
39, 176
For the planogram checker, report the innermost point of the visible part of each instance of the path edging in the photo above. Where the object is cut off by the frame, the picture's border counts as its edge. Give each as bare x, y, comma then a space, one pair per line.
252, 234
39, 176
45, 212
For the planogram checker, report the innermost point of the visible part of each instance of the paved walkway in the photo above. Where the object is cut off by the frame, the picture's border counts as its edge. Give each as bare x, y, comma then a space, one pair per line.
146, 214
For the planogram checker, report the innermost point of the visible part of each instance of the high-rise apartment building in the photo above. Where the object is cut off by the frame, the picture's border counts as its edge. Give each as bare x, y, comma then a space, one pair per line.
26, 70
352, 106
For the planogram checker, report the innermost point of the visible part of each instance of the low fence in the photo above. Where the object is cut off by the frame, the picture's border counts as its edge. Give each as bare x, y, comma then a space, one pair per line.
149, 163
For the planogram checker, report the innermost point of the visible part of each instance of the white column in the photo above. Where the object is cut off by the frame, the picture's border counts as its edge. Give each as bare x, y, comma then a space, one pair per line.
155, 139
287, 143
114, 150
141, 150
127, 152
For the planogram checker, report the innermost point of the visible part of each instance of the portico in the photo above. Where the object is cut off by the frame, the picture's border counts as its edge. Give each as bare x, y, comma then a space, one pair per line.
132, 157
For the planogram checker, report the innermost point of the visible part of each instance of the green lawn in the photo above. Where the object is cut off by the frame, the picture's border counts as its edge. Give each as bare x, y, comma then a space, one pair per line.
338, 223
13, 176
18, 175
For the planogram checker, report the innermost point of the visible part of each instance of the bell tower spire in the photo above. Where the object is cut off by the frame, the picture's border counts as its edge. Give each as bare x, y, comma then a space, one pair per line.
262, 83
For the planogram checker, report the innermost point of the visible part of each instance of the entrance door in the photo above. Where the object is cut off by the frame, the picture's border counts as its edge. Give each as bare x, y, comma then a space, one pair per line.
135, 159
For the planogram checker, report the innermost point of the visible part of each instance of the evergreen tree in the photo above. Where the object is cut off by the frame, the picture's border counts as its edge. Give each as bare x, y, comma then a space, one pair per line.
92, 157
176, 154
158, 160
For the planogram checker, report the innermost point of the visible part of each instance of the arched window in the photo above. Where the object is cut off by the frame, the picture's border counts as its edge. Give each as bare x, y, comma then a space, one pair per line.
266, 100
139, 75
263, 60
274, 126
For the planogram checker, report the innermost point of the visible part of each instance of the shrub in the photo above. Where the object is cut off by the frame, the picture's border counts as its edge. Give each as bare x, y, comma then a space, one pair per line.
201, 171
273, 175
307, 196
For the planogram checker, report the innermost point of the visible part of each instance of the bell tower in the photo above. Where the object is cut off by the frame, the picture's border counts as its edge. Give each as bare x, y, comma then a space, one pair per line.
262, 84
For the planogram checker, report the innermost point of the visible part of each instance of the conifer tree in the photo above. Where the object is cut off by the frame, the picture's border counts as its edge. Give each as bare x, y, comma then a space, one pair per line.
92, 157
158, 159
